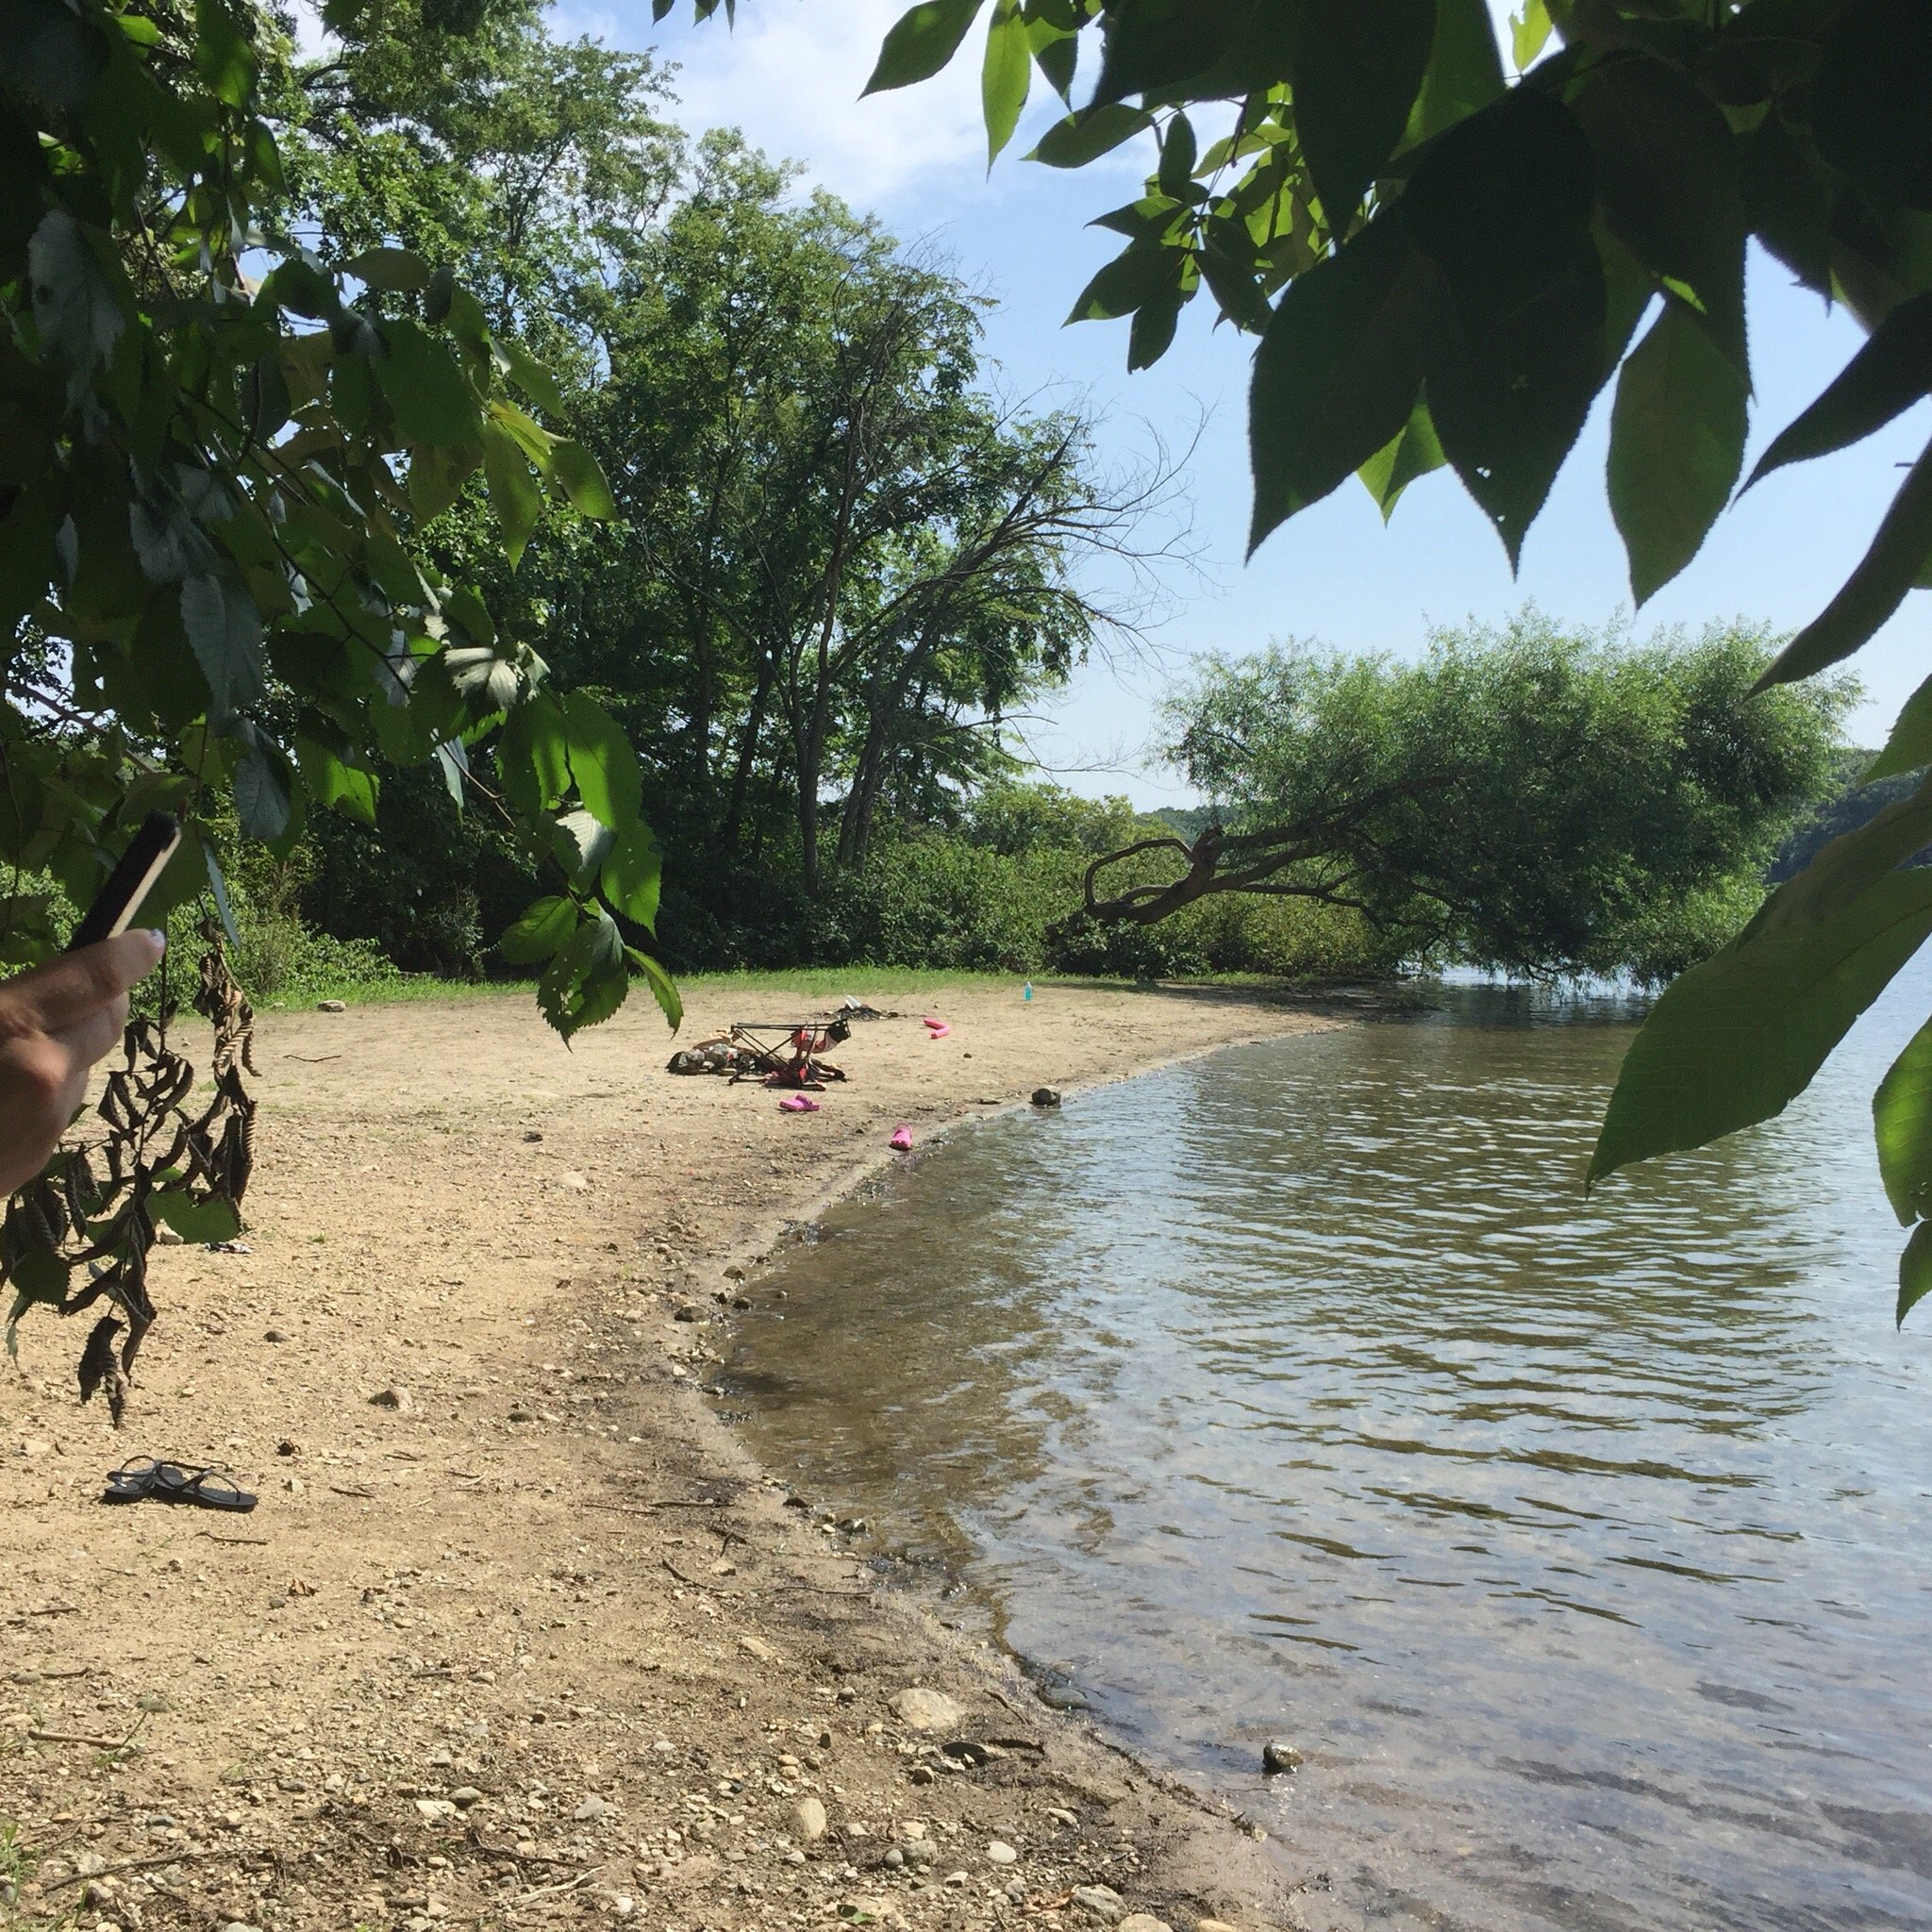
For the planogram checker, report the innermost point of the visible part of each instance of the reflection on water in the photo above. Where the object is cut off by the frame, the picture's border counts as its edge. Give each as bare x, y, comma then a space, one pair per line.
1584, 1547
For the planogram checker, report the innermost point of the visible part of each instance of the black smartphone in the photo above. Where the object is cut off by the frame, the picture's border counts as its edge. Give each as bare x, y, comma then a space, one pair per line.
130, 882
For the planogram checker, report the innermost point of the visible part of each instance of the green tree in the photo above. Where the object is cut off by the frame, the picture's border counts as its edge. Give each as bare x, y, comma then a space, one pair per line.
1530, 802
1443, 266
222, 450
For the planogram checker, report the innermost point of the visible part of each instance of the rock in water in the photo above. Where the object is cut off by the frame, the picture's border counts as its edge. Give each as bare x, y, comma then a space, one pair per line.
1278, 1755
928, 1710
1046, 1096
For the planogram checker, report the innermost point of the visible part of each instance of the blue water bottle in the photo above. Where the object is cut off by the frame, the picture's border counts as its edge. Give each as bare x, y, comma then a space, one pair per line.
1026, 992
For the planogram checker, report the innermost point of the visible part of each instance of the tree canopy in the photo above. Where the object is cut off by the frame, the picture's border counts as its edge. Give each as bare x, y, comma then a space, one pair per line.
1528, 801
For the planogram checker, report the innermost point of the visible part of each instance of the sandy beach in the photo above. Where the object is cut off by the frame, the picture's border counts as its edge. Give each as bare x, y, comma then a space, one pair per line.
518, 1633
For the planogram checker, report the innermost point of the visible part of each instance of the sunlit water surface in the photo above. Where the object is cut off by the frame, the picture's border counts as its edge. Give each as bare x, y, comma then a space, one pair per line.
1584, 1547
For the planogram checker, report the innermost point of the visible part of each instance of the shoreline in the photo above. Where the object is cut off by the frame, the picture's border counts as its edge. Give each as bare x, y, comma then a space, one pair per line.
513, 1639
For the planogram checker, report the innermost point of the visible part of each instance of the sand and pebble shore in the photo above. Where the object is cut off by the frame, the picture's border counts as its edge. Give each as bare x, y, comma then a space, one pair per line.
519, 1634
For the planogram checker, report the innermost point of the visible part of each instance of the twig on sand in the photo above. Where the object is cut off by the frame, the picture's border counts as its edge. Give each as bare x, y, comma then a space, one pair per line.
551, 1890
41, 1736
668, 1503
148, 1864
367, 1495
260, 1542
516, 1857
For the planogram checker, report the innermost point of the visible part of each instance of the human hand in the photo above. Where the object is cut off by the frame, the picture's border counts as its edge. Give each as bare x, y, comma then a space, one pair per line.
55, 1023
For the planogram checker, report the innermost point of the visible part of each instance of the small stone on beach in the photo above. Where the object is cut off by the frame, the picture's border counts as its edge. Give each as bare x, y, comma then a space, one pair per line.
1278, 1755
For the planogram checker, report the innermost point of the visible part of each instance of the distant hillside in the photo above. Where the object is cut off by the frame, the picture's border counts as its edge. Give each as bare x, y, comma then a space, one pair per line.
1853, 806
1190, 821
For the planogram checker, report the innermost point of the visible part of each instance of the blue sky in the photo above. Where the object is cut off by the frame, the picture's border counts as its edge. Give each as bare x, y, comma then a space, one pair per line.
790, 75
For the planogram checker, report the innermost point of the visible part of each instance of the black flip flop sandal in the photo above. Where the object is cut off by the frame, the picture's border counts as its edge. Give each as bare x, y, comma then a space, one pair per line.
167, 1482
134, 1482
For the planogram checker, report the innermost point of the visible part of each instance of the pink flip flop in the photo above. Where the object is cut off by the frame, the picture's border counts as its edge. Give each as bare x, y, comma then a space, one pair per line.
902, 1138
798, 1103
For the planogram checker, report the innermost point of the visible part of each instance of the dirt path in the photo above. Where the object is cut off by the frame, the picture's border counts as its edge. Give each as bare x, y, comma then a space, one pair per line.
517, 1634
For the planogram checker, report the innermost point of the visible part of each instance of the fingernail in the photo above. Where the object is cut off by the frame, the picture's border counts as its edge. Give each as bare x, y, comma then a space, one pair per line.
159, 937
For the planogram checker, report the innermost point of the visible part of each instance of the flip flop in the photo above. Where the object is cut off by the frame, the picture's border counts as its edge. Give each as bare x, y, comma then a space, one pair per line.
798, 1103
167, 1482
902, 1138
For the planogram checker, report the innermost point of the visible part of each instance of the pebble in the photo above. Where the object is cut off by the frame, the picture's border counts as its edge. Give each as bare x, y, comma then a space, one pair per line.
433, 1808
592, 1810
1001, 1854
923, 1775
917, 1852
465, 1795
1046, 1096
273, 1335
757, 1647
810, 1819
1143, 1922
398, 1399
1213, 1925
89, 1864
927, 1710
1278, 1755
1099, 1902
331, 1006
956, 1878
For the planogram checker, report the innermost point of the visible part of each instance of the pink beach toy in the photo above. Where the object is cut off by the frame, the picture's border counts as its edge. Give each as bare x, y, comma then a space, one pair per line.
937, 1029
798, 1103
902, 1138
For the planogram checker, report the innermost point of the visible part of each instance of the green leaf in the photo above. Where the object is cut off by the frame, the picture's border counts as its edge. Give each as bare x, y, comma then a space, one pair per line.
921, 40
1915, 1271
1005, 76
588, 979
542, 928
78, 309
1356, 72
1874, 590
1162, 44
1669, 183
603, 763
532, 378
514, 492
663, 988
1414, 453
1530, 32
1892, 371
631, 876
224, 630
576, 473
1465, 70
51, 52
1735, 1039
262, 795
214, 1219
1502, 204
334, 783
1870, 109
1337, 374
39, 1274
1902, 1121
393, 268
533, 756
1676, 445
218, 886
223, 54
1909, 747
1091, 133
1145, 270
431, 401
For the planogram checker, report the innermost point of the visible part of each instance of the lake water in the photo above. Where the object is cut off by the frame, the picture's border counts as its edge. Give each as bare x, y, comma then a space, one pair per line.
1583, 1547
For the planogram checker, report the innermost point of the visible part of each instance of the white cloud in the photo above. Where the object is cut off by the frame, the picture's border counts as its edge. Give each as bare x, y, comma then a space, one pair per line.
790, 73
